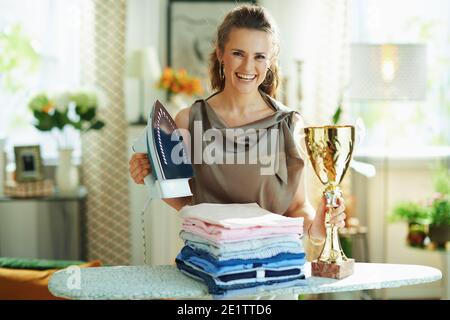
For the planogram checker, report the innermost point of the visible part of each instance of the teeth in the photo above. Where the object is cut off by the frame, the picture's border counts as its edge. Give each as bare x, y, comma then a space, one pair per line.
246, 76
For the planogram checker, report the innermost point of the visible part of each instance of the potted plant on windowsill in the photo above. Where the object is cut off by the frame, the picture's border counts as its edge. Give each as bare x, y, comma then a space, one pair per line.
417, 216
428, 221
439, 229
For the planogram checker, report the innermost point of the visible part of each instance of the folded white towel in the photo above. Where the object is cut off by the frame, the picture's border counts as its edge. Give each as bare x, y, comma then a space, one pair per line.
238, 215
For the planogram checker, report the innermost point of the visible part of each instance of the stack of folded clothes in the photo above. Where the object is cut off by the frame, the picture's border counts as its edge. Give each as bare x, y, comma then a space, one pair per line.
241, 249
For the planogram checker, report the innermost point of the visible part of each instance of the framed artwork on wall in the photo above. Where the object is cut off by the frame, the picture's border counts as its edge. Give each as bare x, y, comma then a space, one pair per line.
192, 26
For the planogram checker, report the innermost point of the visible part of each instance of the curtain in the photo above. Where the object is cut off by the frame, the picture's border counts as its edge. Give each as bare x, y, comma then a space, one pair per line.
327, 68
105, 162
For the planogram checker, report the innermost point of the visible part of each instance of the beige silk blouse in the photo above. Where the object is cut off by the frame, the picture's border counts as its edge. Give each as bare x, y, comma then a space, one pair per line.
271, 180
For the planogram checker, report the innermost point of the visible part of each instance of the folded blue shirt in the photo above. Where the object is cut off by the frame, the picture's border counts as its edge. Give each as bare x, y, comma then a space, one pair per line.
187, 252
218, 288
249, 275
210, 265
255, 273
261, 253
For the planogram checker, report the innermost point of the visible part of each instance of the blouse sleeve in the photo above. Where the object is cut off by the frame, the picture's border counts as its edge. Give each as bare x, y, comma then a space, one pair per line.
297, 126
312, 250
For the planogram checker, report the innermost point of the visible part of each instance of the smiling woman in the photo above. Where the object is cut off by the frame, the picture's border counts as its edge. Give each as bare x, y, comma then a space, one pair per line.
244, 73
246, 59
243, 38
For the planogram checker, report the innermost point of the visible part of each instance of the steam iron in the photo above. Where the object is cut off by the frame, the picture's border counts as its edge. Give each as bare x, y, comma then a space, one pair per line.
166, 151
171, 169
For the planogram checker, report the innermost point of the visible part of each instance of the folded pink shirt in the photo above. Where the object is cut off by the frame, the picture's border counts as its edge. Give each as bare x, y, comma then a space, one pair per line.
238, 215
219, 233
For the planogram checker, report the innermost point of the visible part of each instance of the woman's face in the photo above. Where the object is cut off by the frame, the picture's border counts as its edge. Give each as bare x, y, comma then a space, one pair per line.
246, 58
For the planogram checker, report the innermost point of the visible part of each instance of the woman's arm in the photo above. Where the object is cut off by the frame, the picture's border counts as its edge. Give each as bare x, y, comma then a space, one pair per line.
178, 203
300, 206
314, 220
313, 223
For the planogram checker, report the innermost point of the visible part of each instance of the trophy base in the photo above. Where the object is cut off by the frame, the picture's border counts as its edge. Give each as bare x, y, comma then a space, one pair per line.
338, 270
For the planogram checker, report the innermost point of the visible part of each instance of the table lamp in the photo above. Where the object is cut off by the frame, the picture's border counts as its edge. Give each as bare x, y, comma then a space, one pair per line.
143, 65
387, 72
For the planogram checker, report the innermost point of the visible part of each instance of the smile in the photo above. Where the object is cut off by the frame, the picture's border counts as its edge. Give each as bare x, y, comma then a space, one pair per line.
244, 76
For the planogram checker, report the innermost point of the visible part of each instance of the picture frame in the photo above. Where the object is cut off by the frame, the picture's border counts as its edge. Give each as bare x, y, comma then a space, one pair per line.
28, 163
192, 27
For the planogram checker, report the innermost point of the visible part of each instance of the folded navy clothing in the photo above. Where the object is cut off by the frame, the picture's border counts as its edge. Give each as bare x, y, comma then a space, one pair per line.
254, 274
187, 252
216, 288
261, 289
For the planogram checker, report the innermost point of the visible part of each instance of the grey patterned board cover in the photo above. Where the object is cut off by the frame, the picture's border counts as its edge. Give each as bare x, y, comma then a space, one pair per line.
167, 282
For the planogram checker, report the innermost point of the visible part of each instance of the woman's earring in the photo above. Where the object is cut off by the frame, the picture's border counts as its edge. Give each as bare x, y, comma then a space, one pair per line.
269, 77
221, 75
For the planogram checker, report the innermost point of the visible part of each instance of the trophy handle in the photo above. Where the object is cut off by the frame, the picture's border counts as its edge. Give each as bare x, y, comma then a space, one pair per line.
299, 132
302, 149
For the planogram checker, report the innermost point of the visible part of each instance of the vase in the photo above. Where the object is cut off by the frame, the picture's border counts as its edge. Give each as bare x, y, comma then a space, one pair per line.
66, 175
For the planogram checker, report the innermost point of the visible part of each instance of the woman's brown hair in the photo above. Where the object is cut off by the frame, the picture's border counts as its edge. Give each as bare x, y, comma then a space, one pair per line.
250, 17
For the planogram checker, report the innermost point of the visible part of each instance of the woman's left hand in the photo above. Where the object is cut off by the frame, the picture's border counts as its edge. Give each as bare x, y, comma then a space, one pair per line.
337, 218
338, 214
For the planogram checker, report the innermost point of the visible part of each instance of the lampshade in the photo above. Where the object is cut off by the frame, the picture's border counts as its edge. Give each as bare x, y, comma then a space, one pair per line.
387, 72
143, 64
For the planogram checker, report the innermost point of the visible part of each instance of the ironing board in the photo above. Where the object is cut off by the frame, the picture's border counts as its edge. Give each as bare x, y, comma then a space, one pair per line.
167, 282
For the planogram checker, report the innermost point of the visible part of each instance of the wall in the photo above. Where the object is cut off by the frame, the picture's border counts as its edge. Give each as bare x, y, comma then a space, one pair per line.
296, 19
398, 179
145, 26
44, 230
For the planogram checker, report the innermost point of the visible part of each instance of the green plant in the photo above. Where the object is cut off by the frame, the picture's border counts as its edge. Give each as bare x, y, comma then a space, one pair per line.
337, 114
17, 59
440, 203
411, 212
77, 109
440, 210
441, 179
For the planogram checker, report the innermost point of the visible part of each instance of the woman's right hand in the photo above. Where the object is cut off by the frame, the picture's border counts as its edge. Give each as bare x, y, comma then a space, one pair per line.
139, 167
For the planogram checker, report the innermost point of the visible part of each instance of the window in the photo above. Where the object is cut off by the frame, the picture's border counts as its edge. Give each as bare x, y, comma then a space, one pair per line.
410, 123
53, 28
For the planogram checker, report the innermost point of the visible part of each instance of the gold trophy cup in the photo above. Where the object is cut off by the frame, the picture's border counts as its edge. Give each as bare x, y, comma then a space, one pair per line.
330, 150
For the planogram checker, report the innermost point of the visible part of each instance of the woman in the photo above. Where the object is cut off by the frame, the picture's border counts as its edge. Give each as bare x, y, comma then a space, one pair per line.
244, 73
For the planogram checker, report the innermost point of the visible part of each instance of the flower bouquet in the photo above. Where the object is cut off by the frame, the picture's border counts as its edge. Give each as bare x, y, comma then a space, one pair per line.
77, 109
179, 82
55, 113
